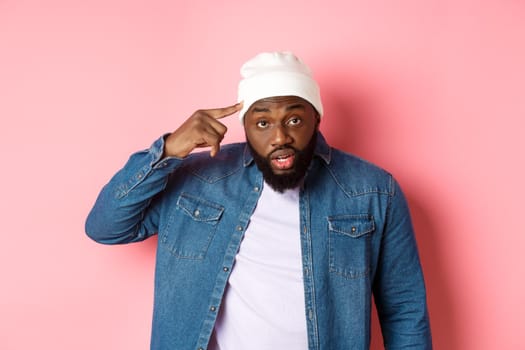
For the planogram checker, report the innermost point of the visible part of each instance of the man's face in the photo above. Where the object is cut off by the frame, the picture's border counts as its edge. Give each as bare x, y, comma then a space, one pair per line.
281, 134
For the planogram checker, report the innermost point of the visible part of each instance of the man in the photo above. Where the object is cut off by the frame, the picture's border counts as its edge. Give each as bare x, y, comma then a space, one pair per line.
276, 243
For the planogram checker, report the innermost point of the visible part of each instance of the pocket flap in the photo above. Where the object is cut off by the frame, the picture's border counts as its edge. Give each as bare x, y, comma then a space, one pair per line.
352, 225
199, 209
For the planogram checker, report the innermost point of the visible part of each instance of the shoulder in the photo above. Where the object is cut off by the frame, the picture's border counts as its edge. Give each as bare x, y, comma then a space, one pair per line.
227, 161
358, 176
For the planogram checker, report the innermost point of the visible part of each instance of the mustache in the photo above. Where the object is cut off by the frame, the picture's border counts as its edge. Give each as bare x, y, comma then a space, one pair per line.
282, 148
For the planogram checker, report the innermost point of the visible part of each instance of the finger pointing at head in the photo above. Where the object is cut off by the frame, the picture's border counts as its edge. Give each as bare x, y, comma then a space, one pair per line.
219, 113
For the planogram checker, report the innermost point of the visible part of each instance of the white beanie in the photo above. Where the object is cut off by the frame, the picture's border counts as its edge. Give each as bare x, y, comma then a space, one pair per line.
271, 74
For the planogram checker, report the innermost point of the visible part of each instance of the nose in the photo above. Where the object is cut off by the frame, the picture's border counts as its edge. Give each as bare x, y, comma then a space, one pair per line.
280, 136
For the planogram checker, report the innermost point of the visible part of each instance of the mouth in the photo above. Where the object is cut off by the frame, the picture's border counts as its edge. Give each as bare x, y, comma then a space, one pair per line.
283, 159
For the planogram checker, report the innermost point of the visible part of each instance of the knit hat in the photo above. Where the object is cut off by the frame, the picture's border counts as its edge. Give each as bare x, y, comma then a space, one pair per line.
272, 74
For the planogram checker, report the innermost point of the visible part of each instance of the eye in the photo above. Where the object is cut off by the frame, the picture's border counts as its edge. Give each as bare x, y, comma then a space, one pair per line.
294, 121
262, 124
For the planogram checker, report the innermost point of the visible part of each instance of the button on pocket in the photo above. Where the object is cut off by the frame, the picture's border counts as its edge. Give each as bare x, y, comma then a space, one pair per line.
349, 244
191, 227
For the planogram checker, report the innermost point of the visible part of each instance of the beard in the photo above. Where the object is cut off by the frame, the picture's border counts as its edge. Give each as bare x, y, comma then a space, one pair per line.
282, 182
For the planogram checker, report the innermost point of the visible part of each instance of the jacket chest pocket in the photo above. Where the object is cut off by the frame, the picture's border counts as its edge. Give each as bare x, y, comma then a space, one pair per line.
191, 228
349, 244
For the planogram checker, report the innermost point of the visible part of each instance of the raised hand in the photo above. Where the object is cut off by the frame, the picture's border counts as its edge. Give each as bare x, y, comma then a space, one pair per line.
201, 129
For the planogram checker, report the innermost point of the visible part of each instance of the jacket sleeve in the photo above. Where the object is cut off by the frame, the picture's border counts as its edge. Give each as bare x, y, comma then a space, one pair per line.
399, 288
126, 209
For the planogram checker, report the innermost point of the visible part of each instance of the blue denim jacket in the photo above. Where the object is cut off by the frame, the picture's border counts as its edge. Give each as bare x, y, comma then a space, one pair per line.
356, 238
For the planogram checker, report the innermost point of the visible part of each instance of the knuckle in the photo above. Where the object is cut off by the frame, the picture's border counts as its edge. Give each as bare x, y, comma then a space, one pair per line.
199, 114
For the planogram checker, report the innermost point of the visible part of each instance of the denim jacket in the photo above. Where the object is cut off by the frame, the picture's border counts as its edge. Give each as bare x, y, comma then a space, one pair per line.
357, 241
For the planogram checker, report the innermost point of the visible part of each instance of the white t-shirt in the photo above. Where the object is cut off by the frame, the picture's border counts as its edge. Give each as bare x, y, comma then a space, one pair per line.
263, 306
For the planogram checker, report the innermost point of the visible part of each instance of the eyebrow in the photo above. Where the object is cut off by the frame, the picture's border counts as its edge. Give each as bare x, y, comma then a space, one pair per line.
260, 109
288, 108
295, 106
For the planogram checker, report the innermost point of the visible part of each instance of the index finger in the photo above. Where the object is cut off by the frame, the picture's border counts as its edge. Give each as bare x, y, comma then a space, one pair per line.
219, 113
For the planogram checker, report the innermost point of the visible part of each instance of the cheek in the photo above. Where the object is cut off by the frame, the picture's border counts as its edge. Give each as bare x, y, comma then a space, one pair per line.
258, 143
304, 138
261, 146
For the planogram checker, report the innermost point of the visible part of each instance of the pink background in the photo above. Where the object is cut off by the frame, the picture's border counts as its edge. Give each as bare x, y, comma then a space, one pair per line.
433, 90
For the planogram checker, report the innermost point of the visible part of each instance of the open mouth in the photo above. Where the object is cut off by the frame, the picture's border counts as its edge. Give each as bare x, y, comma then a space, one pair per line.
283, 160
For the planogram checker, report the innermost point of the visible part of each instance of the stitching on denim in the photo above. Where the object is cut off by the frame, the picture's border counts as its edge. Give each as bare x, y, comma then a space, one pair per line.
136, 231
216, 179
352, 218
390, 197
353, 194
202, 252
339, 271
124, 189
311, 279
348, 274
218, 209
199, 255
